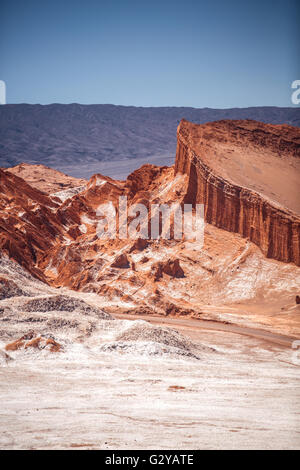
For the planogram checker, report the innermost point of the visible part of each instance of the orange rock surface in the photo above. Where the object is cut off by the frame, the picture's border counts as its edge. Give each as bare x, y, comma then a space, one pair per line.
44, 178
36, 342
58, 243
247, 175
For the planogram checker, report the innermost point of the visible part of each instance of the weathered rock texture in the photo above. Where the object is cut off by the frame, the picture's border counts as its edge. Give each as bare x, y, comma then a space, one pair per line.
226, 161
246, 177
29, 226
46, 179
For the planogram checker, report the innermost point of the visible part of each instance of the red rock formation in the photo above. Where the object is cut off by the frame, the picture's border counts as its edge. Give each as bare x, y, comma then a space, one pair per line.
233, 199
57, 241
121, 261
29, 224
144, 179
36, 342
44, 178
170, 267
139, 245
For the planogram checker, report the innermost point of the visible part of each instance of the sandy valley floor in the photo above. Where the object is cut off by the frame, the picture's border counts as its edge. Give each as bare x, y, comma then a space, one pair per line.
244, 393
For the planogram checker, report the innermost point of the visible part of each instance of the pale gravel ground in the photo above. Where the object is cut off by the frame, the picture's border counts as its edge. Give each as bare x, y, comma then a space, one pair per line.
243, 396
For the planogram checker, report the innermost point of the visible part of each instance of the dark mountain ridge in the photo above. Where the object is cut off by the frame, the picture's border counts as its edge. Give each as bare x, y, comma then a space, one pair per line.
84, 139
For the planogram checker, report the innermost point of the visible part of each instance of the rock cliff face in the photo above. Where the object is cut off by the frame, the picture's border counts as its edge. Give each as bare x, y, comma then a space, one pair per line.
224, 162
29, 225
245, 173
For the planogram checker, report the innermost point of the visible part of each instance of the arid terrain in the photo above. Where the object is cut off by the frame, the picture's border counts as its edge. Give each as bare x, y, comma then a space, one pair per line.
47, 179
142, 343
82, 140
126, 383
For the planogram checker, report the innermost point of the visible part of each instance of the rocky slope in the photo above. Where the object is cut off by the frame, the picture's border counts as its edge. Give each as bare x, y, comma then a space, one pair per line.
47, 179
228, 278
29, 225
72, 377
247, 176
37, 319
69, 303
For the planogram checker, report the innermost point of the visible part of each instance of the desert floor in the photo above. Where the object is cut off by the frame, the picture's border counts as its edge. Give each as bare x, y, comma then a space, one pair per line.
242, 394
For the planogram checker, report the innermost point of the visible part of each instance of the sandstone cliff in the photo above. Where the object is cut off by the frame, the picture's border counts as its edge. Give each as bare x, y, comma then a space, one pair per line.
57, 241
247, 176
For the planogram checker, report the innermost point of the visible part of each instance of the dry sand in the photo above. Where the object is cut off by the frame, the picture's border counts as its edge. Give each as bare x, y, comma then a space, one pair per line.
244, 395
130, 384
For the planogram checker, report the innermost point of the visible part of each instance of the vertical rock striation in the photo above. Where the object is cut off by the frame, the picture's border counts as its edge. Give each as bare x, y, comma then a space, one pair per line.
215, 158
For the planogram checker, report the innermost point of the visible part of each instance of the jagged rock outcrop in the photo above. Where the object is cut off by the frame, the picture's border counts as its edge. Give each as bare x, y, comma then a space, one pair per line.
139, 245
121, 261
46, 179
30, 340
170, 267
144, 179
236, 176
247, 175
29, 223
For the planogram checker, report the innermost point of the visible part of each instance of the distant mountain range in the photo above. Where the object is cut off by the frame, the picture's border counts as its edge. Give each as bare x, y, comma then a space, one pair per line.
85, 139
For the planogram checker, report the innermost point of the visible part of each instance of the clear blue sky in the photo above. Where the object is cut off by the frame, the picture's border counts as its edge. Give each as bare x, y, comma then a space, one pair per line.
212, 53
